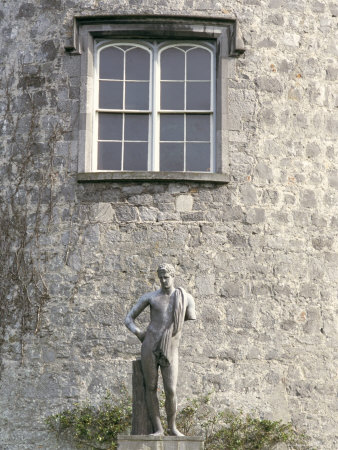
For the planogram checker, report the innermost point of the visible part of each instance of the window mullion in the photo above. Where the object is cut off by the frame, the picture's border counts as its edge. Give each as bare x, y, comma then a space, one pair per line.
95, 134
123, 107
156, 89
185, 113
213, 113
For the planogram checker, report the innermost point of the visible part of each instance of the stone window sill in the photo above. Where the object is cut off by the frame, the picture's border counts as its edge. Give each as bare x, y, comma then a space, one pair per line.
197, 177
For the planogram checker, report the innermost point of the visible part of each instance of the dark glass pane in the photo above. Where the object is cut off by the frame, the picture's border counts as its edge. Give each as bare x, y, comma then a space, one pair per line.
198, 157
198, 64
198, 95
111, 95
172, 95
137, 96
198, 127
172, 157
172, 127
172, 64
109, 156
111, 63
137, 64
136, 127
135, 156
110, 126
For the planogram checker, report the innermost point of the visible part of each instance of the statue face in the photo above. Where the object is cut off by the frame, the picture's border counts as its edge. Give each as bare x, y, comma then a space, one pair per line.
166, 280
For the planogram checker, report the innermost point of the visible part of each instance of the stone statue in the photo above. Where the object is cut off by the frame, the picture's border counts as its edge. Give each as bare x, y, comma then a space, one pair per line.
169, 308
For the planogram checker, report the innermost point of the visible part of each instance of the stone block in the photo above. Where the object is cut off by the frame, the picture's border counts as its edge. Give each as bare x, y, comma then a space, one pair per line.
160, 443
184, 203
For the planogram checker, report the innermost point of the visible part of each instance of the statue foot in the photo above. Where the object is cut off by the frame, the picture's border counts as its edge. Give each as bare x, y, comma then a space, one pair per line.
174, 432
158, 433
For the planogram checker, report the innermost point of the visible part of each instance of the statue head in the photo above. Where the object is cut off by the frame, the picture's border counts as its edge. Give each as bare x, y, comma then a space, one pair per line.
166, 273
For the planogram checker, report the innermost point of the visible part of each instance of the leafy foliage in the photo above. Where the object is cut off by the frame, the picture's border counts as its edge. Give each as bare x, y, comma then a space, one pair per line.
229, 430
98, 427
95, 426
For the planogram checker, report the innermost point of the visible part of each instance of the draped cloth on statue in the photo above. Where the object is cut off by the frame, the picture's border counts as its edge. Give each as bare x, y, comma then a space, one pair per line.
163, 349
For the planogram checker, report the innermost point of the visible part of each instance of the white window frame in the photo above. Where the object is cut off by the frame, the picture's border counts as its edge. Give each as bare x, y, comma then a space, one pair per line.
223, 31
155, 48
99, 46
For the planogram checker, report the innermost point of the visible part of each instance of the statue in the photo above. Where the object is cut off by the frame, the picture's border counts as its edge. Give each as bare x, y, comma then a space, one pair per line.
169, 308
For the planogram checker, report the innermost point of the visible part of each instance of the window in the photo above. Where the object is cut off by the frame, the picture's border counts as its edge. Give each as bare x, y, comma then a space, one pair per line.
154, 106
153, 101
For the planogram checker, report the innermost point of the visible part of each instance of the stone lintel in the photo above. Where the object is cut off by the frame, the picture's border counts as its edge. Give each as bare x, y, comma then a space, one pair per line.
172, 26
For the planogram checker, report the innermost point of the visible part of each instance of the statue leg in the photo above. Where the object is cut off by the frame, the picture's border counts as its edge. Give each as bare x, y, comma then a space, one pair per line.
169, 375
150, 374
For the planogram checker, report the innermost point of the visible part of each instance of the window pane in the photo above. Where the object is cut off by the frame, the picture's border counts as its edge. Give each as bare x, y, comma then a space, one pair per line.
198, 127
172, 127
110, 127
198, 157
136, 127
172, 95
172, 157
111, 63
198, 95
109, 156
135, 156
172, 64
111, 95
137, 95
137, 64
198, 64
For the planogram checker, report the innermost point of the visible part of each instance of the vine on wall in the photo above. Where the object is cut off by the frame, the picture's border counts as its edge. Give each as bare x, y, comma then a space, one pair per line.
29, 176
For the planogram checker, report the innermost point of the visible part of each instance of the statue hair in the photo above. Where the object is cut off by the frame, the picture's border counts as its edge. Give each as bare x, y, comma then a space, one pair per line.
168, 268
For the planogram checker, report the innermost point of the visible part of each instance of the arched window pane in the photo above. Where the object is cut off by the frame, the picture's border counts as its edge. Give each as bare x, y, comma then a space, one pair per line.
198, 157
109, 156
198, 127
137, 95
111, 63
136, 127
111, 95
110, 127
198, 64
172, 127
137, 64
172, 95
172, 64
172, 157
135, 156
198, 95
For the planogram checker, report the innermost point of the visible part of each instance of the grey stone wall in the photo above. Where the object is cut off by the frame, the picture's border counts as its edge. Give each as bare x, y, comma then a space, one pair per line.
259, 254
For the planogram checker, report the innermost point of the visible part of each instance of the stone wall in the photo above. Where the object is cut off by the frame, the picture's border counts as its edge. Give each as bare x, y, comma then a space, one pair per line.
259, 254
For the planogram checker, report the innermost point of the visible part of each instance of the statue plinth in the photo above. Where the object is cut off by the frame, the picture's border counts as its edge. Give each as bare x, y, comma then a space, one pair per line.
160, 442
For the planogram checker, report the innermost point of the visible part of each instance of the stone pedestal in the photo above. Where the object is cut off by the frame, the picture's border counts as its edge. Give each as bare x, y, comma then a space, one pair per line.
160, 443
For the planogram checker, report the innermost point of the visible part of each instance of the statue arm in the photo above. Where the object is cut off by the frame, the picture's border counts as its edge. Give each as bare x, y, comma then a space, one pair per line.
190, 313
136, 310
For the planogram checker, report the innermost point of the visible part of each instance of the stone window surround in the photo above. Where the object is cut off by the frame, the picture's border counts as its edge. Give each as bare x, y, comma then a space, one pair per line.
223, 30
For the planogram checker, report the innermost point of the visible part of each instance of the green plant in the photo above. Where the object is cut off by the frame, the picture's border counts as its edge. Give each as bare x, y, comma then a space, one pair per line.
98, 427
94, 426
229, 430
